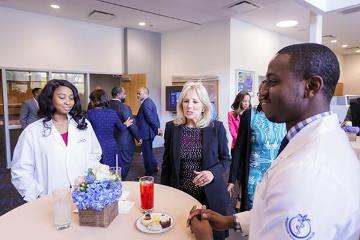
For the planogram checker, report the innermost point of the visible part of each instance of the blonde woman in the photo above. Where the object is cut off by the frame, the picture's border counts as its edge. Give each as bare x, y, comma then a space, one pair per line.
196, 151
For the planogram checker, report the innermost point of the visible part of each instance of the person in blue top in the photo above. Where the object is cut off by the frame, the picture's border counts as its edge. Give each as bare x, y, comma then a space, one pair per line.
257, 145
104, 121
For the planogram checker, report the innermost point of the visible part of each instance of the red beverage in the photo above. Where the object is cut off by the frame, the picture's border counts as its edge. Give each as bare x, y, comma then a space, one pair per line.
147, 193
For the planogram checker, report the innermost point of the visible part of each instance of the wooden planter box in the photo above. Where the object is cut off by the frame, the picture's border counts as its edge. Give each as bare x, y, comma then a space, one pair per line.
103, 218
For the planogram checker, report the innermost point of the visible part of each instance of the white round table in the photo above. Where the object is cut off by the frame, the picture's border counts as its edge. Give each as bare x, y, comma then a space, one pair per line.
34, 220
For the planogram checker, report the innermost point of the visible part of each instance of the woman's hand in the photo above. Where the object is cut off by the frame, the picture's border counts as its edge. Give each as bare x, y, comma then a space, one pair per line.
128, 122
203, 178
230, 188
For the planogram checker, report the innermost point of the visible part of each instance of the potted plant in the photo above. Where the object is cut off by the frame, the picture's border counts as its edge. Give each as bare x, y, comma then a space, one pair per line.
96, 196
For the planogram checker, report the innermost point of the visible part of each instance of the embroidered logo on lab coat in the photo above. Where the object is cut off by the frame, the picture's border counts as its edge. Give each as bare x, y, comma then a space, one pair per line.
299, 227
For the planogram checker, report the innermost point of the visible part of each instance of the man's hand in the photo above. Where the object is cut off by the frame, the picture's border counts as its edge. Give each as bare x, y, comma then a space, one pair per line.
217, 221
201, 229
160, 131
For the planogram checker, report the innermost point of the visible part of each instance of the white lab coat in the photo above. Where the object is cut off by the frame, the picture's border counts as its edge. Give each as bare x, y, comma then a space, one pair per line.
311, 191
42, 162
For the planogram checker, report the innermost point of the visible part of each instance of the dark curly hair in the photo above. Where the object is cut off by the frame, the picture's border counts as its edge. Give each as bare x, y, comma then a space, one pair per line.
238, 100
309, 59
46, 106
99, 98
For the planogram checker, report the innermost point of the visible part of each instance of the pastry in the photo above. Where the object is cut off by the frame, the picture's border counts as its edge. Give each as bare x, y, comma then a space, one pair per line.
146, 220
165, 221
154, 226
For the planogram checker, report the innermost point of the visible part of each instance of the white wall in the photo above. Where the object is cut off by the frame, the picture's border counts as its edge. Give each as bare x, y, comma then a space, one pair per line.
30, 40
203, 50
218, 48
143, 55
351, 76
342, 67
252, 49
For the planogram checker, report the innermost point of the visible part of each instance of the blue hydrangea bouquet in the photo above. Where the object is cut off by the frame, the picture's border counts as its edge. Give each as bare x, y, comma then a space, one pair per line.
96, 196
350, 130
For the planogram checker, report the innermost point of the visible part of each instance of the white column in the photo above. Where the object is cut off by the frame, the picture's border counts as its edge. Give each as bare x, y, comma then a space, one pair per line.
315, 28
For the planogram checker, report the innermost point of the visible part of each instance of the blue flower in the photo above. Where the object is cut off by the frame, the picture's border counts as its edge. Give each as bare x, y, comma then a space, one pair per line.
351, 129
96, 194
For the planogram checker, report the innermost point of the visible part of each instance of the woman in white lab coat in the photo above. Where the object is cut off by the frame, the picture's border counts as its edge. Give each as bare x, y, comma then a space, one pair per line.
59, 147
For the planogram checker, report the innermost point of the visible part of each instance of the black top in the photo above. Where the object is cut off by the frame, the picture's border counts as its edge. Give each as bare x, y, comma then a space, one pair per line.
239, 169
190, 161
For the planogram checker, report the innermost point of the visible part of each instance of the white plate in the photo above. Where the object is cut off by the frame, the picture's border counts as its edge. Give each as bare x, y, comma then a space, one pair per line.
144, 229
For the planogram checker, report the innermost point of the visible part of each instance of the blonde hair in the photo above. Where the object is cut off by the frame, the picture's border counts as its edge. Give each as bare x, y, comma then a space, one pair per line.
203, 95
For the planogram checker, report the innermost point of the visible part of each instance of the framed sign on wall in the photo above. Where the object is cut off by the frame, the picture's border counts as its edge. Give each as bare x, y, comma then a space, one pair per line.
245, 81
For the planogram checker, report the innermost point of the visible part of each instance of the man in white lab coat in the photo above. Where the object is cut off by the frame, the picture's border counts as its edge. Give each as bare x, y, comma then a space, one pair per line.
312, 189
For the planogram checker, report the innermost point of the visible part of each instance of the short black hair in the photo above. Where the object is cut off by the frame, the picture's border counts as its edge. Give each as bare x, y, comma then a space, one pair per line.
46, 106
310, 59
115, 91
35, 90
99, 98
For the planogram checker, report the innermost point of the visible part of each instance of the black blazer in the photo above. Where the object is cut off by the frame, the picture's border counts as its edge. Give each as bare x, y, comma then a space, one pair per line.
215, 159
125, 139
239, 168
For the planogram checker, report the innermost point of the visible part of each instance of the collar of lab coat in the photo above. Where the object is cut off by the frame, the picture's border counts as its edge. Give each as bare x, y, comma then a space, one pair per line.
307, 135
57, 136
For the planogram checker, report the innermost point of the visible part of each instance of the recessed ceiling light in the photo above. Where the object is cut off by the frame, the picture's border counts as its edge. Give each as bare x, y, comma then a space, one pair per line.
142, 23
358, 51
333, 41
55, 6
344, 46
287, 23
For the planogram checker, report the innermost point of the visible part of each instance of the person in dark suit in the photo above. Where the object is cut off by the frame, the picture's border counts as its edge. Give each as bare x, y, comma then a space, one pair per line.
196, 151
29, 109
149, 127
124, 139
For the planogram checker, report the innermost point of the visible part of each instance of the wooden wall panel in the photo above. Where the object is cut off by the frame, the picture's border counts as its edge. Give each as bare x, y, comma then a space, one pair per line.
339, 90
131, 86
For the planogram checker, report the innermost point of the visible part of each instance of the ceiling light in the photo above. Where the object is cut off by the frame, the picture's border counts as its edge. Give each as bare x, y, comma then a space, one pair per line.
344, 46
142, 23
287, 23
358, 51
333, 41
55, 6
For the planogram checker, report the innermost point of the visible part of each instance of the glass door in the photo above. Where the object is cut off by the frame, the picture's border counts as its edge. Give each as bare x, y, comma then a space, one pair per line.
78, 79
3, 161
19, 85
